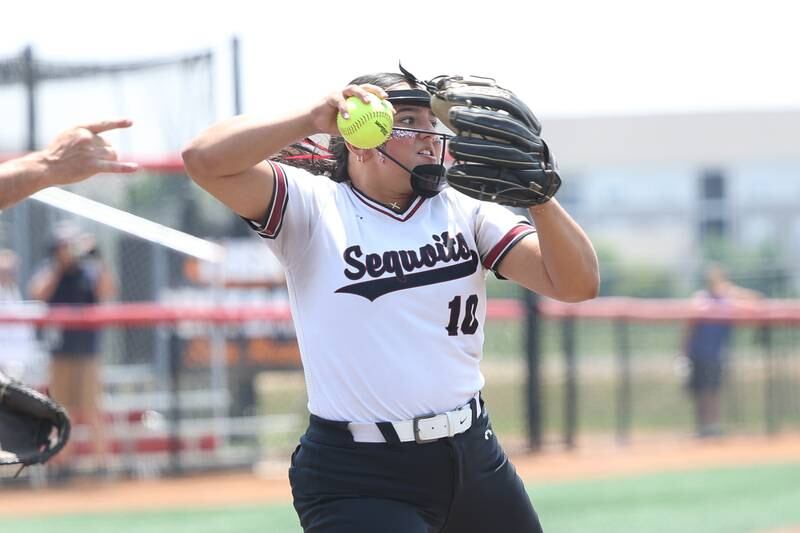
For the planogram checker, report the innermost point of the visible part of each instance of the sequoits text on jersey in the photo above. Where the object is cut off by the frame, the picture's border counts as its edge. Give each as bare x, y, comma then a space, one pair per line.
404, 263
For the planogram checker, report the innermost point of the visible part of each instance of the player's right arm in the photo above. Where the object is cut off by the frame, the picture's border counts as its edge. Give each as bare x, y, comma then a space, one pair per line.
228, 159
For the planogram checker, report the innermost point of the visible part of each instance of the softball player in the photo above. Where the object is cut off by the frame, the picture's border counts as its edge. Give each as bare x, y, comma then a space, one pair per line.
386, 276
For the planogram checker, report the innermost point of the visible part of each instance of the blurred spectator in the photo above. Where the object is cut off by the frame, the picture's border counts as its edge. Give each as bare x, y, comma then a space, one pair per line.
74, 155
19, 351
706, 344
75, 275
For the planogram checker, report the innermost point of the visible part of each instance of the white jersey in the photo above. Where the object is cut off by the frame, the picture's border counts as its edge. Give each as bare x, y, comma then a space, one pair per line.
388, 306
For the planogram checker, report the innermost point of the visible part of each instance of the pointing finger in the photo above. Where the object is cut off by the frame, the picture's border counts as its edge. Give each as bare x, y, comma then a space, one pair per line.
105, 125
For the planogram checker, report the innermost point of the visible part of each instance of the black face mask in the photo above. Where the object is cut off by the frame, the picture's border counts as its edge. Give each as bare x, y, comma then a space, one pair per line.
426, 180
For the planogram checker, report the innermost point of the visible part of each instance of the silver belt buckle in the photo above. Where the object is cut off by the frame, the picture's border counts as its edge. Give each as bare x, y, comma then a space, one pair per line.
417, 438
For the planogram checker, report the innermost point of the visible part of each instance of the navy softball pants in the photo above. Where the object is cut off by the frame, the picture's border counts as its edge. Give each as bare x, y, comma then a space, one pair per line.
462, 484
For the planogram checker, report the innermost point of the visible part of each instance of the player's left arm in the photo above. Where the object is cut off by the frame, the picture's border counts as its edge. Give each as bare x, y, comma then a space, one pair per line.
557, 261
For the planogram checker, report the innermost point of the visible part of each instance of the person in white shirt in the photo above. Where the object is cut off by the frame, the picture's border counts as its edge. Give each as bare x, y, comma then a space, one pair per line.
387, 288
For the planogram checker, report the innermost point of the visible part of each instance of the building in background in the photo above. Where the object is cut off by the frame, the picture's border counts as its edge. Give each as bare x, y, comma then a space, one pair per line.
665, 189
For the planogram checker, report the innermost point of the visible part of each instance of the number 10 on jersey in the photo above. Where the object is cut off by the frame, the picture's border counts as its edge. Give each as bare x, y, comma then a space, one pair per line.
469, 325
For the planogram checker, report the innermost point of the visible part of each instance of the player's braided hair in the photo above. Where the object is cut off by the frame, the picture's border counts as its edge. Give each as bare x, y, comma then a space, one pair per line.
334, 163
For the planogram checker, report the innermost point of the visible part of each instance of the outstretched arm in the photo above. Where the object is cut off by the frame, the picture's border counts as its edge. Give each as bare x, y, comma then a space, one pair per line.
74, 155
227, 159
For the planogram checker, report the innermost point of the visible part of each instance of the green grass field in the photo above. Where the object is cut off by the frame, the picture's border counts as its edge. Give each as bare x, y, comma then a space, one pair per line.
730, 500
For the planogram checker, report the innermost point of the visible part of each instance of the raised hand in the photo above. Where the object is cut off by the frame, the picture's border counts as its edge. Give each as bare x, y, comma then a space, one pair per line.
324, 113
80, 152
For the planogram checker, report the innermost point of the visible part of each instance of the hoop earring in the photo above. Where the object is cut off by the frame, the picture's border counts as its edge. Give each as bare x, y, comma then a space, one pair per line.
360, 158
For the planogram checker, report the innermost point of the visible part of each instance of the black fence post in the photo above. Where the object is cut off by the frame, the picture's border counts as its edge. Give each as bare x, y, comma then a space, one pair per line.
770, 415
237, 75
26, 216
533, 347
570, 381
30, 78
174, 443
731, 402
624, 391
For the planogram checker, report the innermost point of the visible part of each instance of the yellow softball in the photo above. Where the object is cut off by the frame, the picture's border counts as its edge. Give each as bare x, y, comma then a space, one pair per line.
369, 124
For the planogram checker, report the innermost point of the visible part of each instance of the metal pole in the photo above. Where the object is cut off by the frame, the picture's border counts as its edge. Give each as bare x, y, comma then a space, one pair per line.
175, 364
624, 392
29, 79
792, 373
570, 382
533, 356
770, 416
730, 380
237, 76
219, 365
24, 215
160, 272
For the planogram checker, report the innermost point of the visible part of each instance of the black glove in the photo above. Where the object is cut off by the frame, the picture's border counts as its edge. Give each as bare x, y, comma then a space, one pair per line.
33, 427
499, 155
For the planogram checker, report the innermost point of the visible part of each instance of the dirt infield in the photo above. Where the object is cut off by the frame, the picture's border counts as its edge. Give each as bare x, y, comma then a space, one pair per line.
269, 484
661, 455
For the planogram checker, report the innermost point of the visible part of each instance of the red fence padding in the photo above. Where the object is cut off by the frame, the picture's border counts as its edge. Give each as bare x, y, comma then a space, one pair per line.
504, 309
154, 444
635, 309
663, 310
143, 314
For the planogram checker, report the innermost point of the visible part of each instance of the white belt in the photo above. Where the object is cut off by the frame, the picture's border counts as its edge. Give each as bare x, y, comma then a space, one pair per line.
421, 429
